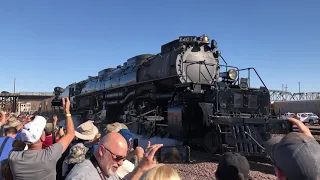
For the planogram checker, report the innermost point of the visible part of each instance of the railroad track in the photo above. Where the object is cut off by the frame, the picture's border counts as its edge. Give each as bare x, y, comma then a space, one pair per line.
197, 150
314, 131
198, 156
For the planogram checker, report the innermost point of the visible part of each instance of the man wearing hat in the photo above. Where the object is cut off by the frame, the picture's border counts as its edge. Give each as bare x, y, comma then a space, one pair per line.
38, 163
18, 125
233, 166
115, 127
296, 156
85, 134
86, 131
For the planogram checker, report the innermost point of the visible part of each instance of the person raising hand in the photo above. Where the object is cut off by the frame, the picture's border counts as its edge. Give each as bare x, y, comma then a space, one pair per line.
147, 162
296, 155
42, 161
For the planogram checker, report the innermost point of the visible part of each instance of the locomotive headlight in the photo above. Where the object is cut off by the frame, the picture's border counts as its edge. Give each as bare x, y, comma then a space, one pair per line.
233, 74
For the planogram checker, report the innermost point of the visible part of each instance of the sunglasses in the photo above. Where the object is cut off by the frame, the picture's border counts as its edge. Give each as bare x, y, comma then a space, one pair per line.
117, 157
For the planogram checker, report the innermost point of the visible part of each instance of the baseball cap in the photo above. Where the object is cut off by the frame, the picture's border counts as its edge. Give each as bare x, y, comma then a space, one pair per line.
128, 135
296, 155
233, 165
33, 130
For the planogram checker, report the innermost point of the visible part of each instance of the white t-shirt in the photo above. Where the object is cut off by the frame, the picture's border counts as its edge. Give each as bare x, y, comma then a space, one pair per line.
125, 169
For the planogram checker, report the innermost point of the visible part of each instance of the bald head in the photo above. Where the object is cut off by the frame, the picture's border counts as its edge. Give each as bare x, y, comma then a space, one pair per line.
115, 142
111, 147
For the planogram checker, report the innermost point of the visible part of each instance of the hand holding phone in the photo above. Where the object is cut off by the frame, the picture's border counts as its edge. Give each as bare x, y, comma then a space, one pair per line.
135, 143
302, 128
173, 154
278, 126
148, 160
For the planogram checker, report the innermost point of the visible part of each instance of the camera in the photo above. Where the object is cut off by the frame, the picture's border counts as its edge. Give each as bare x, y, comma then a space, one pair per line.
56, 102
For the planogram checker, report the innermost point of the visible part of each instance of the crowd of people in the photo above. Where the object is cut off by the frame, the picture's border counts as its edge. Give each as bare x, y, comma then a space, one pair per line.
32, 149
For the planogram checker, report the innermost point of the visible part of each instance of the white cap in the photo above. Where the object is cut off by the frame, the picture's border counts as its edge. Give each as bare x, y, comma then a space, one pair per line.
33, 130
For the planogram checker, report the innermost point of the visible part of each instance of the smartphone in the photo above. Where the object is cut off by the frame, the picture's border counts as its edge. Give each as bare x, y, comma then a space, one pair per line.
135, 143
279, 126
173, 154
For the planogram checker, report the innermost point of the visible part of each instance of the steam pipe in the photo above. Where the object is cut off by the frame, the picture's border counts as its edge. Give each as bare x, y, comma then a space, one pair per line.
133, 93
114, 95
129, 95
156, 96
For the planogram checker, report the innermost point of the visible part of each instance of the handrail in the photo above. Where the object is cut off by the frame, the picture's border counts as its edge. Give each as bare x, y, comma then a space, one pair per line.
221, 65
250, 68
256, 74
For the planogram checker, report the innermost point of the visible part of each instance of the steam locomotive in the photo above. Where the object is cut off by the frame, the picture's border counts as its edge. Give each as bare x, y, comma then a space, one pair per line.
184, 92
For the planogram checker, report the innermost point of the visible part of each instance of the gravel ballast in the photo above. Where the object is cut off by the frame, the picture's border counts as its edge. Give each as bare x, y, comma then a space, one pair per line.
204, 165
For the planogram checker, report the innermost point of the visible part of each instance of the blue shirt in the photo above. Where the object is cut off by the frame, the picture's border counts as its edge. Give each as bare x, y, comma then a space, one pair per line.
94, 147
7, 148
18, 136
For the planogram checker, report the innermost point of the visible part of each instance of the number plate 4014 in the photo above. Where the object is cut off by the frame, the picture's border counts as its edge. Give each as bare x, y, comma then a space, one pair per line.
188, 39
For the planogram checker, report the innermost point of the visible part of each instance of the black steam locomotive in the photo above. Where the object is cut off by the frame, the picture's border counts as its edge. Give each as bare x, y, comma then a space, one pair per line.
184, 92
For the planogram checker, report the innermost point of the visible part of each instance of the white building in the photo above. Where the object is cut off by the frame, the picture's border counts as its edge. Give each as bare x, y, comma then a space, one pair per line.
24, 107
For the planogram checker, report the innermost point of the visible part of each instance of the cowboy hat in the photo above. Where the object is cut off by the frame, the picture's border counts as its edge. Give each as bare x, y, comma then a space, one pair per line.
86, 131
115, 127
13, 123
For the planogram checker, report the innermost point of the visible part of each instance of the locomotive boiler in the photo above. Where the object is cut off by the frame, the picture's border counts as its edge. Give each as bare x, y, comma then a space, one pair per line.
184, 92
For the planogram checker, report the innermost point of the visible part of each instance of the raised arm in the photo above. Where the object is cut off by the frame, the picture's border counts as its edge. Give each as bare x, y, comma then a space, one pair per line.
3, 118
66, 140
148, 162
54, 124
25, 120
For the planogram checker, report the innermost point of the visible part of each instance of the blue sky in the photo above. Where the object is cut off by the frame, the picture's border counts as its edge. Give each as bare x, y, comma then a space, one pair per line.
44, 44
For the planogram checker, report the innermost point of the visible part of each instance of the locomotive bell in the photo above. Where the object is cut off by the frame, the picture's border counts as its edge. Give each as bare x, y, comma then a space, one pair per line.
205, 39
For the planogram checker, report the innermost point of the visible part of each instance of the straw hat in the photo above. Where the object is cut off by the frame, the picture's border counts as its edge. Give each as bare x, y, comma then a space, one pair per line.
86, 131
12, 123
115, 127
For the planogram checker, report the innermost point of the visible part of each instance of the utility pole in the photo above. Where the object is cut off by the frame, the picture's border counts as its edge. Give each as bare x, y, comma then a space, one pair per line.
14, 85
14, 100
282, 87
286, 88
299, 91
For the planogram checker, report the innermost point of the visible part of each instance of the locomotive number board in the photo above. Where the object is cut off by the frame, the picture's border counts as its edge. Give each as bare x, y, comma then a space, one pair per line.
186, 39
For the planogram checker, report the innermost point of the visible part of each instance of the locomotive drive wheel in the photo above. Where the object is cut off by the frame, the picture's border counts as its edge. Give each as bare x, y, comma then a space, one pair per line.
212, 142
